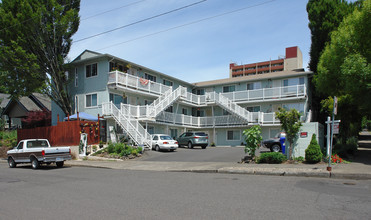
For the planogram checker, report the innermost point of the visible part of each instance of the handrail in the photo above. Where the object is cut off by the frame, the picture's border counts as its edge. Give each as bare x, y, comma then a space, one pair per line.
131, 125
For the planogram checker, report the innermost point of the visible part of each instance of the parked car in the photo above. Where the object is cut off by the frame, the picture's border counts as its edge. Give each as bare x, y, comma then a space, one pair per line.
37, 152
274, 144
191, 139
163, 142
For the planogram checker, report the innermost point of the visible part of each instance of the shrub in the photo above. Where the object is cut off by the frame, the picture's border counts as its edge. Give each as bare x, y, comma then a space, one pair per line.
140, 150
299, 159
271, 157
111, 148
253, 139
346, 149
313, 153
119, 147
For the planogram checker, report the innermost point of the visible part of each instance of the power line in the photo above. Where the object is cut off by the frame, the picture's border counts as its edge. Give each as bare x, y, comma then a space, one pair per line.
95, 15
187, 24
140, 21
114, 9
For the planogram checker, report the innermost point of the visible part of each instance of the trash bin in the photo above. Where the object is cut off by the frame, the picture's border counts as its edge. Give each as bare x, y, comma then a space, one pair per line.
282, 141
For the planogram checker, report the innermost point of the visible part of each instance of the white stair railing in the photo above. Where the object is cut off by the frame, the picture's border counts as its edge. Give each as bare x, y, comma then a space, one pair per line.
164, 101
131, 125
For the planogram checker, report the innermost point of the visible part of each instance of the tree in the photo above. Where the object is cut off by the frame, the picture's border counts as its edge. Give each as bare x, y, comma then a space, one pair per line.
37, 119
253, 140
313, 152
34, 42
344, 68
324, 17
290, 123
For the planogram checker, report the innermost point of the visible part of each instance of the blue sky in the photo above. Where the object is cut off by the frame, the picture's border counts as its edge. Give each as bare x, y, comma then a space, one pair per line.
201, 51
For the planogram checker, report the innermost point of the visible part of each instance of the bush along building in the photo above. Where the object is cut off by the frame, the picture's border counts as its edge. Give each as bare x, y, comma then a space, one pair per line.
137, 101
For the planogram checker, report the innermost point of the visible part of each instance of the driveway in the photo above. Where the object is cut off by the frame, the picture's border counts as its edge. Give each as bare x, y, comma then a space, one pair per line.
210, 154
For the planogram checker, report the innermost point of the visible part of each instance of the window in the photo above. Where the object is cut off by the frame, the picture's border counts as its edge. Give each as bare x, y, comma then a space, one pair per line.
297, 106
20, 145
293, 81
199, 91
117, 99
184, 111
169, 109
253, 108
91, 100
233, 135
150, 129
76, 78
168, 83
150, 77
225, 112
255, 85
148, 102
91, 70
174, 133
155, 138
273, 132
229, 88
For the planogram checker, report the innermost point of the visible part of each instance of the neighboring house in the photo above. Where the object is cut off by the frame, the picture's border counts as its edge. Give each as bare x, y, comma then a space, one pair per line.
4, 99
138, 101
16, 109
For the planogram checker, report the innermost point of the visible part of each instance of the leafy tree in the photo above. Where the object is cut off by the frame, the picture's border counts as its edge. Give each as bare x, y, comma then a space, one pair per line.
313, 153
37, 119
290, 123
324, 17
253, 140
35, 38
344, 69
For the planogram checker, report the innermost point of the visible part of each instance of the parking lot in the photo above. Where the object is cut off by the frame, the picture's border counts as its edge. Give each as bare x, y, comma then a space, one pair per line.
210, 154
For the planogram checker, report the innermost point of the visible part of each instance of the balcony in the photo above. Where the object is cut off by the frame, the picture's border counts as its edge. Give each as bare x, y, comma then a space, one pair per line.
133, 83
268, 94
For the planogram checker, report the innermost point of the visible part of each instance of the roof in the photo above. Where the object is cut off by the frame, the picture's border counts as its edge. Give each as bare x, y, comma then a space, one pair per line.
4, 100
252, 78
91, 55
33, 102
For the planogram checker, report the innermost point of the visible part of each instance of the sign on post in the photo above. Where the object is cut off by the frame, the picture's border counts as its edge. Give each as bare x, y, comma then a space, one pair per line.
336, 128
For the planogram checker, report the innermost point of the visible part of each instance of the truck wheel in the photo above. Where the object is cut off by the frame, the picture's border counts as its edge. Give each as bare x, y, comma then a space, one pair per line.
11, 162
275, 148
34, 163
60, 164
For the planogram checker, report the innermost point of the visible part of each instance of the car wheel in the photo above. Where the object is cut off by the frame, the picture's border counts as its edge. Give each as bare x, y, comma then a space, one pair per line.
157, 148
275, 148
11, 162
60, 164
203, 147
190, 145
34, 163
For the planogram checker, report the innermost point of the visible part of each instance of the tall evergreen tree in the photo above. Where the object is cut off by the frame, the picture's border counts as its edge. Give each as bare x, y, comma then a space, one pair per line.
35, 38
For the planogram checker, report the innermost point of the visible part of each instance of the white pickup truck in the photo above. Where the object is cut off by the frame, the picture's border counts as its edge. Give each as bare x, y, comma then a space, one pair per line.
37, 152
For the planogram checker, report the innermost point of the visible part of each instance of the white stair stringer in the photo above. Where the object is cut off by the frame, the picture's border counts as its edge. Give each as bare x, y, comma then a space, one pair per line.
230, 106
164, 101
127, 122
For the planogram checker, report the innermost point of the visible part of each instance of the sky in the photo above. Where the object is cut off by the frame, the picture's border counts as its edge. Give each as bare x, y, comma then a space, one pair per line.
196, 43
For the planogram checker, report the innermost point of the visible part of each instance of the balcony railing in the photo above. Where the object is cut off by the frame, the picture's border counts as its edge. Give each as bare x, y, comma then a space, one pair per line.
216, 121
133, 82
276, 93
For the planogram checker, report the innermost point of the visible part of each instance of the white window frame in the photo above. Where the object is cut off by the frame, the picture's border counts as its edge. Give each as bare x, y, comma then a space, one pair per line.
229, 86
253, 85
234, 130
147, 76
76, 104
171, 82
93, 106
76, 78
91, 64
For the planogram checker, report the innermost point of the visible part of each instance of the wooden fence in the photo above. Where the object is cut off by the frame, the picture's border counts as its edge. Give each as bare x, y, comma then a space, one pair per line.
66, 133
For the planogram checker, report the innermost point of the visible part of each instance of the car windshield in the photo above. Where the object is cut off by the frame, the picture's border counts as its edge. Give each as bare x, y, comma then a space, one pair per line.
200, 134
165, 138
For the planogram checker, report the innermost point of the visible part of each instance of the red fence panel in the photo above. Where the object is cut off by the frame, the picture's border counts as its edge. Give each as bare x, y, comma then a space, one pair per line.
65, 133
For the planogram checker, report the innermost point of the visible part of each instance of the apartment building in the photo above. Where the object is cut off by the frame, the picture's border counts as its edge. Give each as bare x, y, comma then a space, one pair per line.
293, 59
137, 101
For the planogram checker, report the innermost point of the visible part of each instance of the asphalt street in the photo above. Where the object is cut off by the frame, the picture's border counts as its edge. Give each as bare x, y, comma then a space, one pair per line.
95, 193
